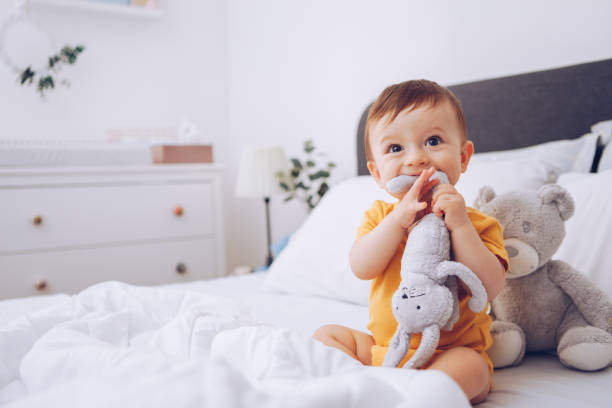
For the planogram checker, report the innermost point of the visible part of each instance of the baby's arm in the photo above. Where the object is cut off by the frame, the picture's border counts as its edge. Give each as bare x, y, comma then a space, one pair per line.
467, 246
469, 249
371, 253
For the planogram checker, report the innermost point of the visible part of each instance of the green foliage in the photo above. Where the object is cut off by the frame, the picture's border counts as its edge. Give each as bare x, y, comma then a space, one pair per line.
306, 181
45, 79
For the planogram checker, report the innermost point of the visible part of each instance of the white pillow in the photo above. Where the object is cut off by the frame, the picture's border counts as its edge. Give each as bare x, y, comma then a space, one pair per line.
315, 260
605, 162
587, 245
503, 176
603, 129
561, 155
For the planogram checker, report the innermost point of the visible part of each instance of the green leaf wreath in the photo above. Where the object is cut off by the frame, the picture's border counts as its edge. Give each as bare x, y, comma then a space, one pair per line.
45, 79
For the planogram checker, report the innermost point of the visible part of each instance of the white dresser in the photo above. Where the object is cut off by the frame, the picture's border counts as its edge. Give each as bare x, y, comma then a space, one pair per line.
63, 229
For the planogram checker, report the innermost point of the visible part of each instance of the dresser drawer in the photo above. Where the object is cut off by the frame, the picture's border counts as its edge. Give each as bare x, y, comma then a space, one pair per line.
70, 271
55, 217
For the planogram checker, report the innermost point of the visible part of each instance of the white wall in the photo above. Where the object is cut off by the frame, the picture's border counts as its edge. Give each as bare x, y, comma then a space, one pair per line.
306, 69
281, 71
134, 73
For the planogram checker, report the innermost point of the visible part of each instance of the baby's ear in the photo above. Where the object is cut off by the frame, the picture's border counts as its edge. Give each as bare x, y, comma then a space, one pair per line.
374, 171
485, 195
467, 150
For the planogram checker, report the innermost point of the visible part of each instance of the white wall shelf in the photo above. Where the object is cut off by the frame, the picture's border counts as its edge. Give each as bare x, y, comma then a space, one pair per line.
99, 7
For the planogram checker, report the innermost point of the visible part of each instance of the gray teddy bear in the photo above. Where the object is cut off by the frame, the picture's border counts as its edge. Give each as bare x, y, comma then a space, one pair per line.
546, 304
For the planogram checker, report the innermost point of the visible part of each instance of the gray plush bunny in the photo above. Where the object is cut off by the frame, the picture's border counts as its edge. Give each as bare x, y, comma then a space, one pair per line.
426, 299
546, 304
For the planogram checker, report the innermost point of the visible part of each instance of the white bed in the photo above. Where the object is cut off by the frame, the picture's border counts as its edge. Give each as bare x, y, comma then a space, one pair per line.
539, 381
245, 341
221, 343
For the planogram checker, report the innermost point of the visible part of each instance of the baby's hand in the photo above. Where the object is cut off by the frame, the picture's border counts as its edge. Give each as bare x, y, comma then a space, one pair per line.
410, 205
449, 203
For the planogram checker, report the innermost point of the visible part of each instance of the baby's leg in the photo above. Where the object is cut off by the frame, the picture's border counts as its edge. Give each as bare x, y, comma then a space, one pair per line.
353, 342
469, 370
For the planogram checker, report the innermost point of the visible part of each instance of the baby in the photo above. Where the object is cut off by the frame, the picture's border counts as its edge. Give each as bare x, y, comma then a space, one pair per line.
416, 128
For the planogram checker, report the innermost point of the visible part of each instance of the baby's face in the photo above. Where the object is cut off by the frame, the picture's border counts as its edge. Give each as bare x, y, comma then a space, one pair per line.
416, 140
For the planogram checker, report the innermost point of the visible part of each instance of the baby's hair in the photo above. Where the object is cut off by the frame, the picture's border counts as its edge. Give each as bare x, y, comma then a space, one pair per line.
410, 94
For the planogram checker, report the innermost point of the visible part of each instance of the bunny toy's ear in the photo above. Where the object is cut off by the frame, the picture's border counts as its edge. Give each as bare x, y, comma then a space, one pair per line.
554, 194
485, 195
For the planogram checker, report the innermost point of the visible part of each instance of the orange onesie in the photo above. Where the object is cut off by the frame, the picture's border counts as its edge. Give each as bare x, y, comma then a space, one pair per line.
471, 330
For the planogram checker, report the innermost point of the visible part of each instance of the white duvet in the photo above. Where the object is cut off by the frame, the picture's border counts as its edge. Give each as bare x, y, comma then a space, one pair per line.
120, 345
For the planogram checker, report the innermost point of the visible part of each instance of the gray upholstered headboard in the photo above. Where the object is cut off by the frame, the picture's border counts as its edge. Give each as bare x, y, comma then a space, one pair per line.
527, 109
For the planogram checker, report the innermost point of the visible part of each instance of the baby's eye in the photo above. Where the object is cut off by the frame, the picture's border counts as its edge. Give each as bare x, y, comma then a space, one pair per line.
394, 148
433, 141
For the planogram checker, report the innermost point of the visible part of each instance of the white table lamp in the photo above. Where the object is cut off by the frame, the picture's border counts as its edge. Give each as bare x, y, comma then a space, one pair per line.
258, 177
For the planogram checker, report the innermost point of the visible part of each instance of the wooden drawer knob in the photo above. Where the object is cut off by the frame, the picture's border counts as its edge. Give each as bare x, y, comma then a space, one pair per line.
178, 210
40, 285
37, 220
181, 268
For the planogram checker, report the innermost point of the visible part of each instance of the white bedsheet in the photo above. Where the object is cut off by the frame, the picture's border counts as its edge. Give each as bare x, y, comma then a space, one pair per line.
540, 381
239, 353
121, 345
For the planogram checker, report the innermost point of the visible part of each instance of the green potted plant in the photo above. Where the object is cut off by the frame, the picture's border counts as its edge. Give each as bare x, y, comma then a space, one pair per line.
307, 180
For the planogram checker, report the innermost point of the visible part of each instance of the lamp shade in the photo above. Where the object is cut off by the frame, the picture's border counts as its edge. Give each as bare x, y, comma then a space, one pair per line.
258, 171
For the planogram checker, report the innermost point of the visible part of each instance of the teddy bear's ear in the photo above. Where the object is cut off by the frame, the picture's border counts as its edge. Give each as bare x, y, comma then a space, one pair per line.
485, 195
556, 195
